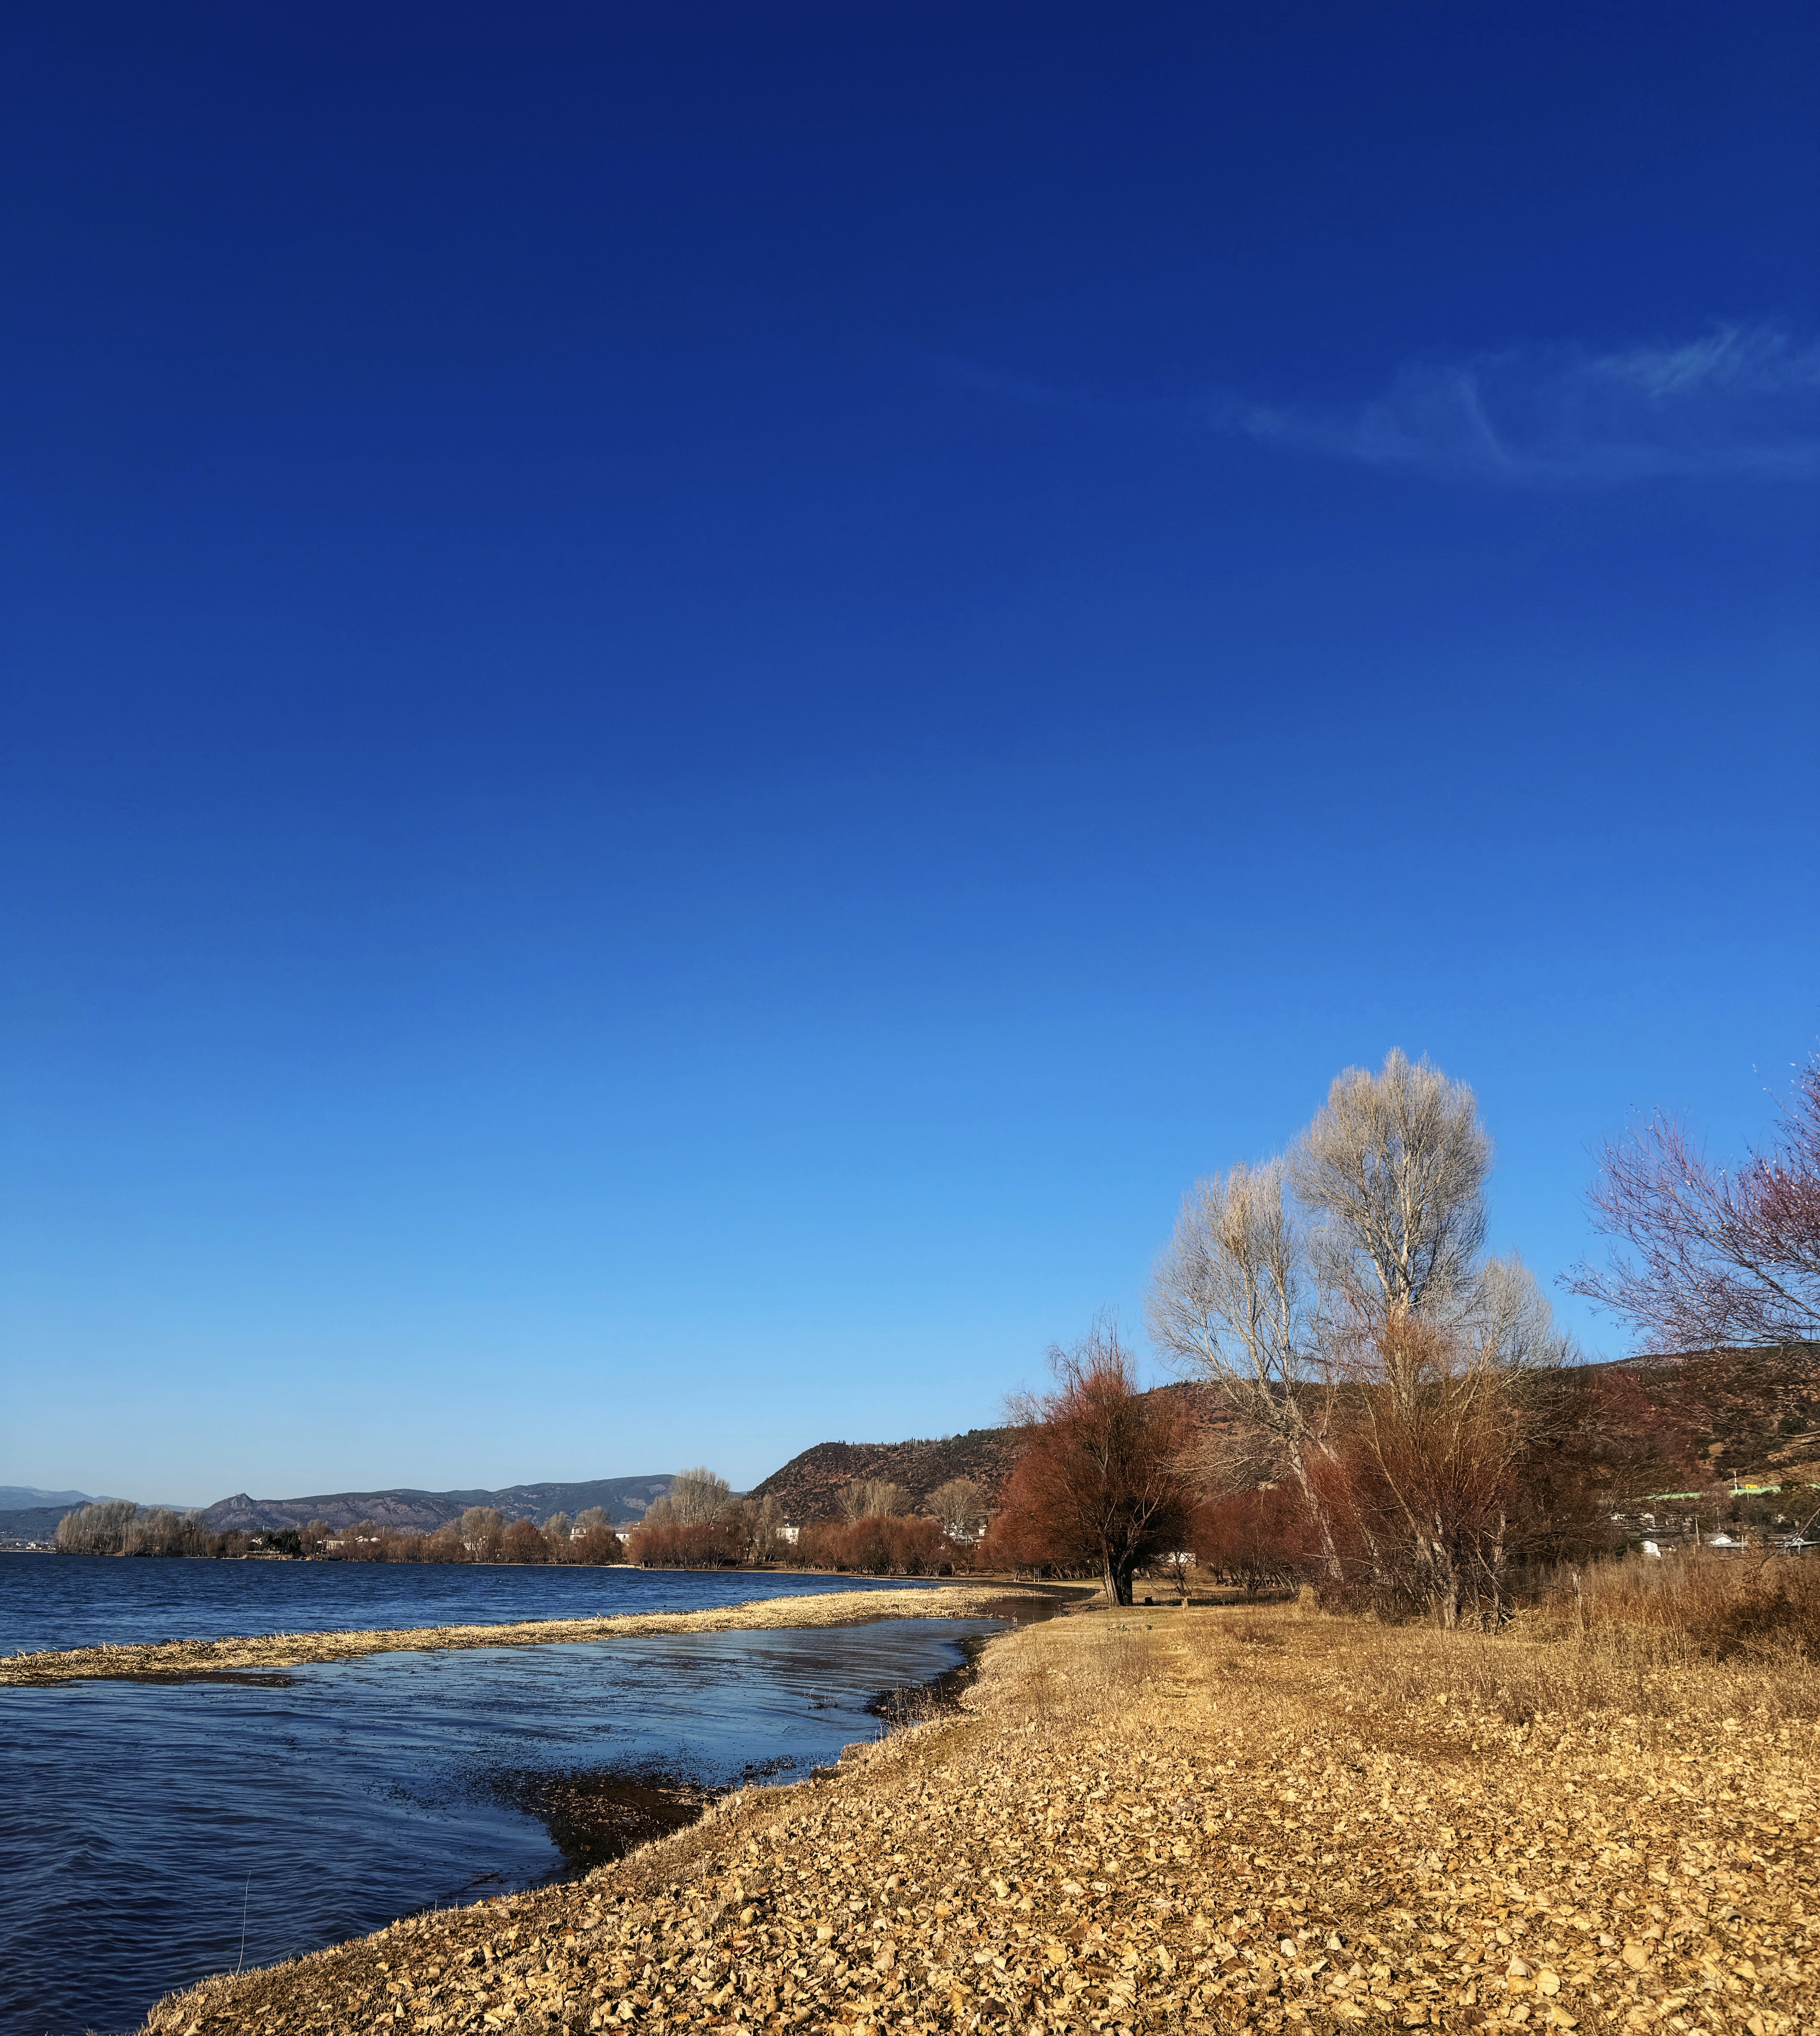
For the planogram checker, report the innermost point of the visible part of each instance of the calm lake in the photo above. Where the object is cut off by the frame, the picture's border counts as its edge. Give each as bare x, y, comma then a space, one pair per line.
141, 1822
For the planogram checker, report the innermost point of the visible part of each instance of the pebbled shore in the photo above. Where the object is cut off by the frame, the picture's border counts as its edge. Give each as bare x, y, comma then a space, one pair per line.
173, 1660
1159, 1821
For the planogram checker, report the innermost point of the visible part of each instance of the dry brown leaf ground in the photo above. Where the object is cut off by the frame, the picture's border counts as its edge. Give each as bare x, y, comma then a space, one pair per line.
1165, 1820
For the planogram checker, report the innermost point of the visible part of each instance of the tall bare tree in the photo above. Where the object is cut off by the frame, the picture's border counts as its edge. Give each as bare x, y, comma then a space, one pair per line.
1375, 1360
696, 1497
1436, 1345
1395, 1165
1704, 1257
1233, 1303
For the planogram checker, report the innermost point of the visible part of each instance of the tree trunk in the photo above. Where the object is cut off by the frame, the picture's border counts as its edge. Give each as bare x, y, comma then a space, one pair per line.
1311, 1499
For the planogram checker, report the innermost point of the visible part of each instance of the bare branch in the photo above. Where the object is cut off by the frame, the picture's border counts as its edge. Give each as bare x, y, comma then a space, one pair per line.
1703, 1258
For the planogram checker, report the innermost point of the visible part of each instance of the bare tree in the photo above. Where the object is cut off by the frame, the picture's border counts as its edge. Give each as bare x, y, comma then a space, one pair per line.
1443, 1441
482, 1531
1375, 1361
99, 1530
962, 1505
1396, 1165
1509, 1324
765, 1524
1232, 1302
1702, 1257
1435, 1345
874, 1498
696, 1497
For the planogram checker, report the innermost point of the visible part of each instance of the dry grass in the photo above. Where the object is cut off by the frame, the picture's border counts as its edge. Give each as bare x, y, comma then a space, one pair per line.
1688, 1608
1161, 1820
175, 1660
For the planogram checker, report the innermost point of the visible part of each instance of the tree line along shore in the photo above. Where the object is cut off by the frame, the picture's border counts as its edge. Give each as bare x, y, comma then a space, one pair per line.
1369, 1402
700, 1523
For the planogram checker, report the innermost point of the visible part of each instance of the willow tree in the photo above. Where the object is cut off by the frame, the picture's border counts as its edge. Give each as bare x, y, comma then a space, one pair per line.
1103, 1482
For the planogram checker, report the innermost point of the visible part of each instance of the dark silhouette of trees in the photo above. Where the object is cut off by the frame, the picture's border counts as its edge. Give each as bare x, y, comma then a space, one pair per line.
1102, 1485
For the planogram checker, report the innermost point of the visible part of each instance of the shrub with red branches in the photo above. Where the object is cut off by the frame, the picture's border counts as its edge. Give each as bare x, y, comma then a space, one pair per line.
669, 1545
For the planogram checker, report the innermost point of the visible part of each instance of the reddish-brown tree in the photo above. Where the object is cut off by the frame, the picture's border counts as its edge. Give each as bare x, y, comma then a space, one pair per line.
1701, 1257
669, 1544
1102, 1484
877, 1546
595, 1540
523, 1543
1260, 1540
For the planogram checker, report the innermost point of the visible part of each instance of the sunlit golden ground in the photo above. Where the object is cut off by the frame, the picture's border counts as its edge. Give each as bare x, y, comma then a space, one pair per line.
1162, 1820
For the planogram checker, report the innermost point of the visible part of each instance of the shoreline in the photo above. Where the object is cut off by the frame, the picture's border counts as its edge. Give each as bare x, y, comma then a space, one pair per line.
596, 1816
1156, 1819
236, 1656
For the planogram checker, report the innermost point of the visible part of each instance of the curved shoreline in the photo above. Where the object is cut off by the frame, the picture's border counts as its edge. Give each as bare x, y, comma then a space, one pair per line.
1165, 1822
185, 1660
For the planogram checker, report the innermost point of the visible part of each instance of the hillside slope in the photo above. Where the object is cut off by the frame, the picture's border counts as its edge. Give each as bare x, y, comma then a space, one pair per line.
623, 1499
809, 1486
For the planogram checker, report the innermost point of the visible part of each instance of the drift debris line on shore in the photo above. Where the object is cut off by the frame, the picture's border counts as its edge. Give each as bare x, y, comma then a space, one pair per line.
173, 1659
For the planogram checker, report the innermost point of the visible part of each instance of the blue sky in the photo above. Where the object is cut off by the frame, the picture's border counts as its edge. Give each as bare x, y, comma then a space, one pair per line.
694, 703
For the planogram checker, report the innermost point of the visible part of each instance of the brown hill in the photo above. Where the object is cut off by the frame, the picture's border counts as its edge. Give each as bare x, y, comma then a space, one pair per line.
809, 1486
1748, 1413
1676, 1419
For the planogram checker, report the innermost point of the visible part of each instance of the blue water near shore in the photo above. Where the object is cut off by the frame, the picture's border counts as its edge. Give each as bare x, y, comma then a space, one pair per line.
132, 1814
90, 1600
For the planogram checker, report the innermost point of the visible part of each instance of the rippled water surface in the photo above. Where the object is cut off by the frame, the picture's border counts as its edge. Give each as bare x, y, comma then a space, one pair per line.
83, 1600
133, 1815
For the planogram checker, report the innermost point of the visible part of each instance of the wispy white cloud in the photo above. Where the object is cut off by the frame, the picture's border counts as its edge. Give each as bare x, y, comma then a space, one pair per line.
1740, 401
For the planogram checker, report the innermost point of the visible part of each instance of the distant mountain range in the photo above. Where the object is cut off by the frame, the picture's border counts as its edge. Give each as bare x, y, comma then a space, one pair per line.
13, 1497
29, 1514
623, 1499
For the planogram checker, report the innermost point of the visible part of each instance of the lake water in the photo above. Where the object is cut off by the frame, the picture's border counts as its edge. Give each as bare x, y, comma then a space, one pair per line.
137, 1820
83, 1601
